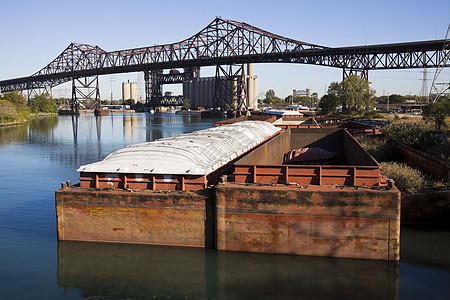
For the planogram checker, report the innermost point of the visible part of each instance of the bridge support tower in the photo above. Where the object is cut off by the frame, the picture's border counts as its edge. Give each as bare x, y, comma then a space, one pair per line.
154, 80
230, 90
153, 90
86, 88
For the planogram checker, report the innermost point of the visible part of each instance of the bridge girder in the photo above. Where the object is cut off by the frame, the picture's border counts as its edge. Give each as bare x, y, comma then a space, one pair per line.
225, 42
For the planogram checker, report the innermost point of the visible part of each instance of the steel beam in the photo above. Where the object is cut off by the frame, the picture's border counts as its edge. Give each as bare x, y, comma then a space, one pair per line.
226, 42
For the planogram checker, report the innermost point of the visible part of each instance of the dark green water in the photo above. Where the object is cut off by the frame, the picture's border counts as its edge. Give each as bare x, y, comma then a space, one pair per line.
36, 157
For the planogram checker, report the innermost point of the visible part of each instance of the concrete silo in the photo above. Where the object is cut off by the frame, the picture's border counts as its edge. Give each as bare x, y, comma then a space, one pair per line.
129, 90
201, 91
133, 91
126, 90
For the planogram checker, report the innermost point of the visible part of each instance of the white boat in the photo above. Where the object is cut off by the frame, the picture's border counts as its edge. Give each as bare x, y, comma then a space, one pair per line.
280, 112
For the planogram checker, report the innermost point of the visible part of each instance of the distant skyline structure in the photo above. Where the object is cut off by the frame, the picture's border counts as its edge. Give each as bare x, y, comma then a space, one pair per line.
325, 27
129, 90
306, 92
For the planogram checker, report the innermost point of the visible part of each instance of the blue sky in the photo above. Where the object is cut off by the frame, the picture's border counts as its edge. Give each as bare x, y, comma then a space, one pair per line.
32, 33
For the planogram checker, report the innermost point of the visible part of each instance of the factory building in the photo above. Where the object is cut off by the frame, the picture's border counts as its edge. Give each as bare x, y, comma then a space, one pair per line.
129, 90
306, 93
201, 91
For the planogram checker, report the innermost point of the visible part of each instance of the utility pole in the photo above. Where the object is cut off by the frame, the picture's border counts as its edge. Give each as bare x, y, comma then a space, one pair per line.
424, 90
111, 79
388, 101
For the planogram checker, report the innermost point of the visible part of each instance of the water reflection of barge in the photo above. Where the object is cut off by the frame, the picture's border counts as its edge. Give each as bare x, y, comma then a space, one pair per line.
117, 271
173, 192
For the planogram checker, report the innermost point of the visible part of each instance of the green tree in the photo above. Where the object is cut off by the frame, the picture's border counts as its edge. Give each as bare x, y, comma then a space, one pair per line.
270, 94
303, 100
289, 99
354, 94
271, 98
394, 98
328, 104
43, 103
437, 112
8, 112
19, 103
16, 98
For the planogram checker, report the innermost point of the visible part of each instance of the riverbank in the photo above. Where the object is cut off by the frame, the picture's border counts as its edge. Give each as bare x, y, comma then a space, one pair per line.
32, 116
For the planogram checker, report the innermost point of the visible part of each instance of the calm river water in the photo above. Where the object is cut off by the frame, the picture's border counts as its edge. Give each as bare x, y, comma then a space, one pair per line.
36, 157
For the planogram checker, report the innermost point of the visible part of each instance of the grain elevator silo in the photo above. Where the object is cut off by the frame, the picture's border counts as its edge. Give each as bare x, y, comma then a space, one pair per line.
129, 90
201, 91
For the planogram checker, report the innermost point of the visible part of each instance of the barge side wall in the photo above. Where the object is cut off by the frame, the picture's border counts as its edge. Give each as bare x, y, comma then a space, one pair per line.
175, 219
362, 223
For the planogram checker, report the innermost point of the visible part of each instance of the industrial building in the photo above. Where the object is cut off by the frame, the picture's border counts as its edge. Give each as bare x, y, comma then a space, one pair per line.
302, 93
201, 92
129, 90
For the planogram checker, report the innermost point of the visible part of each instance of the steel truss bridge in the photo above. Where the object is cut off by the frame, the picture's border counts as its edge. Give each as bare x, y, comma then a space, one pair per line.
222, 42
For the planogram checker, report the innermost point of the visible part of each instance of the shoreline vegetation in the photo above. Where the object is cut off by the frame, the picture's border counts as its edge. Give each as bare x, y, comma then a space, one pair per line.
418, 134
16, 109
31, 117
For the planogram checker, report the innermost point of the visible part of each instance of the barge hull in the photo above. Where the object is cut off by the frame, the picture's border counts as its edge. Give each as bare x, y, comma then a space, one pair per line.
175, 219
321, 221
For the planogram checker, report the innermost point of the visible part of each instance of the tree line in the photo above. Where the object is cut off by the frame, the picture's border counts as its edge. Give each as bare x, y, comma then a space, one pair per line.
271, 98
353, 96
15, 107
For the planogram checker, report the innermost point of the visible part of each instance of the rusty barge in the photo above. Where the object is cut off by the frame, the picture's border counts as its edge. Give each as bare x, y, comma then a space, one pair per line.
246, 186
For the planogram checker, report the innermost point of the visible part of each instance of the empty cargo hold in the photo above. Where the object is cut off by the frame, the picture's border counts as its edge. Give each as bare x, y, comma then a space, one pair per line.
349, 165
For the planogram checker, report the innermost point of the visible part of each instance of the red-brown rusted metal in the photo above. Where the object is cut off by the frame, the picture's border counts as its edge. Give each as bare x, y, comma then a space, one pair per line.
141, 217
265, 165
285, 127
317, 220
308, 174
143, 181
354, 128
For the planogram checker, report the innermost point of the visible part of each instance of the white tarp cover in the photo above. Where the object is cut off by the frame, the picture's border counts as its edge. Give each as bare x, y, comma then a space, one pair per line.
197, 153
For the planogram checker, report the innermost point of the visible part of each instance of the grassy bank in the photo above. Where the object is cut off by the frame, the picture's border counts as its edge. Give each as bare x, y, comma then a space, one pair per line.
31, 116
